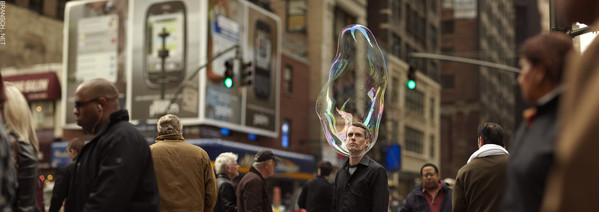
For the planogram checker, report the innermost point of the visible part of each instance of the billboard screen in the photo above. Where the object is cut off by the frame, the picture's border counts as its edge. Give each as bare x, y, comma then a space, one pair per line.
94, 47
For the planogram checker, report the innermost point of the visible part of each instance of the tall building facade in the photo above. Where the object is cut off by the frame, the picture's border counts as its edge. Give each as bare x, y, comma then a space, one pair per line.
411, 117
482, 30
324, 21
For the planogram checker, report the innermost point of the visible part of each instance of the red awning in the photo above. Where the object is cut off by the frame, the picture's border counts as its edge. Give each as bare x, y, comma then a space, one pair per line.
38, 86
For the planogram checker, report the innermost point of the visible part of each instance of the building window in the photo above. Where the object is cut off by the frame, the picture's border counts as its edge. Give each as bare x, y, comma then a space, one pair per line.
433, 71
432, 37
396, 46
447, 50
410, 21
288, 78
413, 140
432, 109
447, 81
396, 9
342, 19
394, 90
433, 6
285, 133
421, 29
296, 15
415, 101
431, 147
394, 131
447, 4
447, 27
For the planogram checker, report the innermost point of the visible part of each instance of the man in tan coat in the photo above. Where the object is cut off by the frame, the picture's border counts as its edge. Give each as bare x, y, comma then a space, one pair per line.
570, 185
185, 178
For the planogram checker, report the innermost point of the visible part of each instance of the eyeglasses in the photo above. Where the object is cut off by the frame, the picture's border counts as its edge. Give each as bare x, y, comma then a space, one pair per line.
429, 175
81, 104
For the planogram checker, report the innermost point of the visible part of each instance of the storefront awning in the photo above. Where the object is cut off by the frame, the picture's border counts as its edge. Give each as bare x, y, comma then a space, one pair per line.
38, 86
294, 165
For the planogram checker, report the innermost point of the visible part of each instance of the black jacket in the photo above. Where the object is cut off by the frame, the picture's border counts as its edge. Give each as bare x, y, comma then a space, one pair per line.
317, 195
114, 171
27, 176
531, 158
365, 190
252, 195
61, 187
8, 178
226, 201
417, 202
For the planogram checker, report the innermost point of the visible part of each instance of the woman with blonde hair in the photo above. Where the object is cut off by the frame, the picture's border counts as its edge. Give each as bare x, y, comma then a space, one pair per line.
18, 122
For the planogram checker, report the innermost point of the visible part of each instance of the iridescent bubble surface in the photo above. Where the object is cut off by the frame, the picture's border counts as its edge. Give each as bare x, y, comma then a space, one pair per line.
355, 88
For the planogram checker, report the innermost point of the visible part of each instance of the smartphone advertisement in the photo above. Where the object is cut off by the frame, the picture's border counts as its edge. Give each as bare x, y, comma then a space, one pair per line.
156, 26
252, 108
263, 49
94, 47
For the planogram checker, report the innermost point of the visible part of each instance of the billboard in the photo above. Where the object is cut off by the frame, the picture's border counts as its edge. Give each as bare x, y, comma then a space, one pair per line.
252, 108
94, 47
183, 26
122, 42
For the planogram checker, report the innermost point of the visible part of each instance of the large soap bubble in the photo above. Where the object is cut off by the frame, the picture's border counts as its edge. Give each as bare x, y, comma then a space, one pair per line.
355, 89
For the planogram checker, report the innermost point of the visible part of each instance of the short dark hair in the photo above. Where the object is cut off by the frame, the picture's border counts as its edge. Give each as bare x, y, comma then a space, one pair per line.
325, 168
429, 164
491, 133
363, 126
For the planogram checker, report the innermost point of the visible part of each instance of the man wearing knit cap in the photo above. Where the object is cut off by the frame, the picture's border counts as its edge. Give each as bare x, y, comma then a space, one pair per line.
252, 194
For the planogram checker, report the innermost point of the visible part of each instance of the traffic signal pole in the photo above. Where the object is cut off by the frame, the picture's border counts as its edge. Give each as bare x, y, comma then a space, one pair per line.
195, 73
559, 25
466, 60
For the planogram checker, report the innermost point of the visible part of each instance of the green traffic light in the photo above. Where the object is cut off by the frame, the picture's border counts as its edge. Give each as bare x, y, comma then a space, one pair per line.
411, 84
228, 82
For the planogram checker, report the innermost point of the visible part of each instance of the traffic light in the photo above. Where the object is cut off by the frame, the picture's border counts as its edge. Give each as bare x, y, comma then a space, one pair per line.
228, 82
246, 74
411, 84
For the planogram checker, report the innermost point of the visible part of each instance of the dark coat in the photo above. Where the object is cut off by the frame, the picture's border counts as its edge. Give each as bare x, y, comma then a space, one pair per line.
27, 176
531, 158
317, 195
252, 195
480, 184
226, 201
8, 178
364, 190
114, 171
416, 201
61, 187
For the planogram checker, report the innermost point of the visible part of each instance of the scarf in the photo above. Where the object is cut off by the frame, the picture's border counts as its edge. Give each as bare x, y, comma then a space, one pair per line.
488, 150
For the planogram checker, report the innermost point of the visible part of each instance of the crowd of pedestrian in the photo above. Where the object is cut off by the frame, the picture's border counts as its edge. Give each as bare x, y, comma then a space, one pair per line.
117, 171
